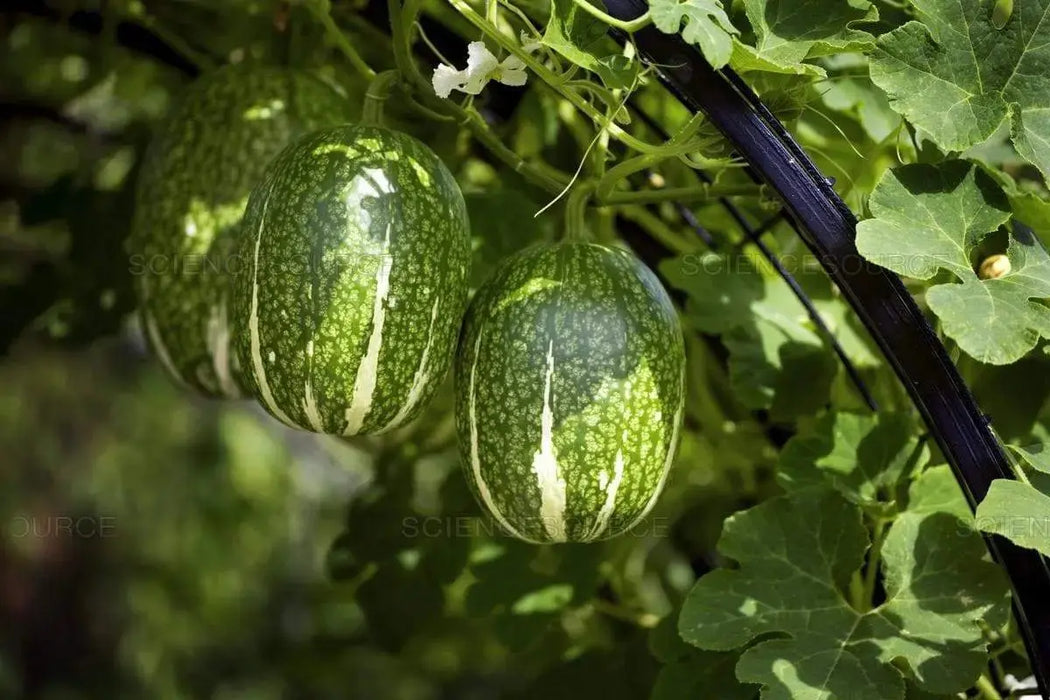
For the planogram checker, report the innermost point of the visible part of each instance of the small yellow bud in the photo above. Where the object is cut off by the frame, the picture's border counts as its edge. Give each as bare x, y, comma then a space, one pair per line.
994, 267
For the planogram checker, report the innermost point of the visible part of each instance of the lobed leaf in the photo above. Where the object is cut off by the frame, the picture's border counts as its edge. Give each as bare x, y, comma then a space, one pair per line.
776, 361
938, 215
700, 22
957, 76
796, 555
790, 31
862, 456
581, 38
1035, 456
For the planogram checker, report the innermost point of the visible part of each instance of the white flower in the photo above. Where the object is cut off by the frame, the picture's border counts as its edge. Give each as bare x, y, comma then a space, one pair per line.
482, 67
446, 79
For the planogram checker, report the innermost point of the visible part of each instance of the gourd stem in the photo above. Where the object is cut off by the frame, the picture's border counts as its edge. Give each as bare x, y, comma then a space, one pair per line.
987, 689
576, 212
655, 227
378, 93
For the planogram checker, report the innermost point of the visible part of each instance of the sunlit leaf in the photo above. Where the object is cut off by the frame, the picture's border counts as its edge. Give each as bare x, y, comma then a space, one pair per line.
957, 76
794, 569
790, 31
700, 22
928, 218
1018, 512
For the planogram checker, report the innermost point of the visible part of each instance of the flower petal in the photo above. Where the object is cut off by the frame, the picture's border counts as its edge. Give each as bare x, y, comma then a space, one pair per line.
514, 78
480, 61
512, 72
446, 79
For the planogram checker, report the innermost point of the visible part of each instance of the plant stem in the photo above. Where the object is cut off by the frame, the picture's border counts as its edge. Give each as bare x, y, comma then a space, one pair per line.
1015, 465
987, 689
856, 591
697, 193
321, 11
646, 620
377, 95
679, 144
629, 26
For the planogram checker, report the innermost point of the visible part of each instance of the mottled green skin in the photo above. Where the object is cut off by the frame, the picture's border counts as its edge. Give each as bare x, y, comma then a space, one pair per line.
331, 211
599, 324
198, 172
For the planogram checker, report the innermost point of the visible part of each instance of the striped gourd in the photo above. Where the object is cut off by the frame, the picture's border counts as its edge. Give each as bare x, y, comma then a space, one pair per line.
569, 392
198, 172
355, 256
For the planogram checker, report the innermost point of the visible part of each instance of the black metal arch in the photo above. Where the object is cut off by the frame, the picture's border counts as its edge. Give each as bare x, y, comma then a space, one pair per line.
877, 296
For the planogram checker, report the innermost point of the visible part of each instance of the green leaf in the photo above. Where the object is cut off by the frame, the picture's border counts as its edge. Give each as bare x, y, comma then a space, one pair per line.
502, 222
841, 143
776, 361
1036, 456
796, 555
1018, 512
994, 320
861, 98
928, 217
842, 321
1030, 205
957, 77
1030, 128
581, 38
790, 31
664, 643
398, 600
625, 672
938, 215
746, 58
1031, 209
914, 693
1013, 396
721, 290
938, 491
861, 455
688, 672
705, 24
